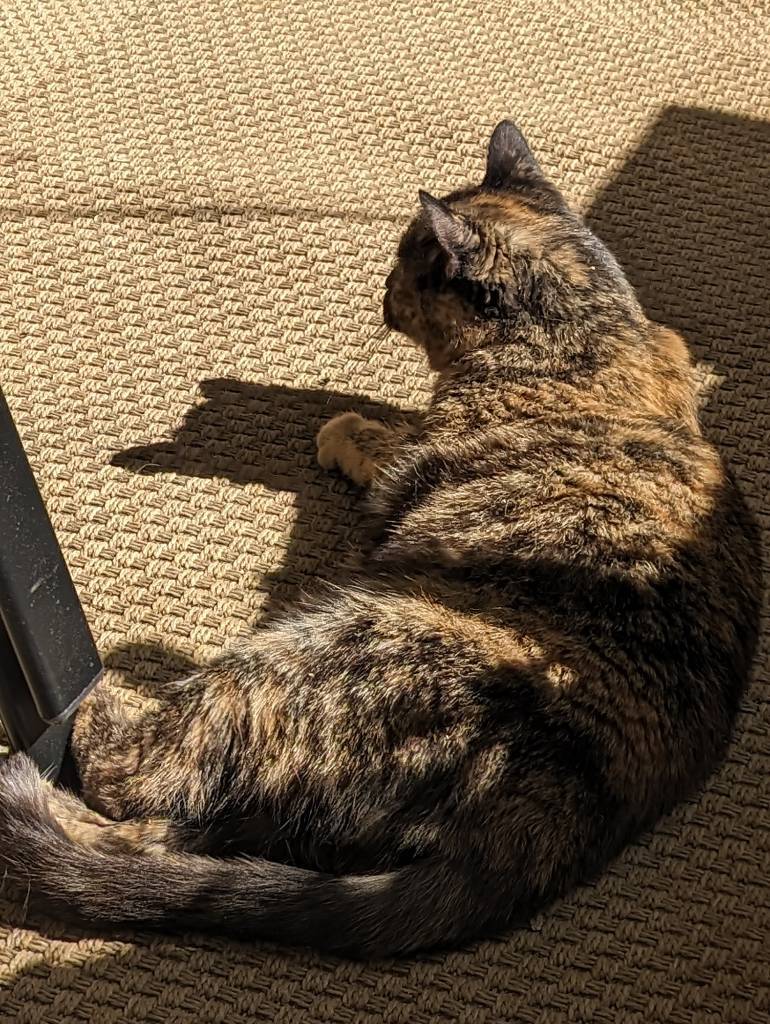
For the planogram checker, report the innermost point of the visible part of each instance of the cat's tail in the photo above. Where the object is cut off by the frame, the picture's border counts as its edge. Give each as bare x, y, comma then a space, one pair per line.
66, 870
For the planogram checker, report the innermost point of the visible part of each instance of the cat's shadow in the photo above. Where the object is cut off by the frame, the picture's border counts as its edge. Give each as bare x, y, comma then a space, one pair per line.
251, 433
697, 252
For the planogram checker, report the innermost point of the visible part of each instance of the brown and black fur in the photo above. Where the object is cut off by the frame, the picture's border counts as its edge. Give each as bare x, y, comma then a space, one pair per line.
544, 650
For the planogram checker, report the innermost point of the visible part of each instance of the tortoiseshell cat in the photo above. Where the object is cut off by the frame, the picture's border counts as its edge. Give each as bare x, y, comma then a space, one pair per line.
544, 650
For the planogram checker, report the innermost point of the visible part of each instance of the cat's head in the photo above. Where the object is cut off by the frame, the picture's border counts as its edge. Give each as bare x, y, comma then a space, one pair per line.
508, 250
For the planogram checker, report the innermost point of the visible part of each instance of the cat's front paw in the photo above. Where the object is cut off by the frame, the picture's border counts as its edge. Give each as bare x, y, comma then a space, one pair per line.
347, 443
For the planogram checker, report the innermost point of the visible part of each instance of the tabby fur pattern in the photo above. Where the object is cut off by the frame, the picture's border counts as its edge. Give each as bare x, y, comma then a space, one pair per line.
542, 652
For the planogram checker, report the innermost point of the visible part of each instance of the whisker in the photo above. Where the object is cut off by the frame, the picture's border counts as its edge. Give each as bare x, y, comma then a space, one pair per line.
381, 332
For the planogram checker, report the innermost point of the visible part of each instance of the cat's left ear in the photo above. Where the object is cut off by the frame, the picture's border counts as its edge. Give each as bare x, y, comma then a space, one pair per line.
454, 233
509, 158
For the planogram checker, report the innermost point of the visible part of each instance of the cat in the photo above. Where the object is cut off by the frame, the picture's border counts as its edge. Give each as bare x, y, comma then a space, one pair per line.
542, 652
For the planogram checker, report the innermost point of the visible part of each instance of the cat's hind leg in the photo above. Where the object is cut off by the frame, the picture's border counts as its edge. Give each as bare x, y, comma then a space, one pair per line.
172, 760
167, 778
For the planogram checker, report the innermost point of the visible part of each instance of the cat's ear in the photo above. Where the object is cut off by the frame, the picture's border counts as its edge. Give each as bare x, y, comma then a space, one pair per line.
454, 232
509, 158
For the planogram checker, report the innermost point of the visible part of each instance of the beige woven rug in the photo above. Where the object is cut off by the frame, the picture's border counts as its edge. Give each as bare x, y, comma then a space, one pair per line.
199, 202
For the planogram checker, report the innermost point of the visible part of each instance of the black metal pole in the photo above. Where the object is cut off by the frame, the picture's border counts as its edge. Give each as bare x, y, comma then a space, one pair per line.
48, 661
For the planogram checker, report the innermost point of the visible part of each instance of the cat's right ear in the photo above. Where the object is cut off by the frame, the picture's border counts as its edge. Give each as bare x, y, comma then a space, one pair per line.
454, 232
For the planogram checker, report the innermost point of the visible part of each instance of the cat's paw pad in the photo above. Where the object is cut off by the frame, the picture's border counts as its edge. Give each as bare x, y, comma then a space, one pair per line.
338, 447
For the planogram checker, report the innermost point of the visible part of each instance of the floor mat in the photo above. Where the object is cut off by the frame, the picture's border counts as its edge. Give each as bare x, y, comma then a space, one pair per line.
199, 204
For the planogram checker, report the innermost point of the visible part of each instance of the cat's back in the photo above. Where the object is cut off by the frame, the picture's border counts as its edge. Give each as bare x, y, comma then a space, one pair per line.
615, 542
547, 475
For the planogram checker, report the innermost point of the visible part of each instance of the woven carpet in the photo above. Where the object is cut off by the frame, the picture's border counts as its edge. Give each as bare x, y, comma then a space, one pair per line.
199, 203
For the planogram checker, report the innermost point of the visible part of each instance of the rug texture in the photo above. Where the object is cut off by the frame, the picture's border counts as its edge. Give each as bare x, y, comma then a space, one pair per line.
199, 204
